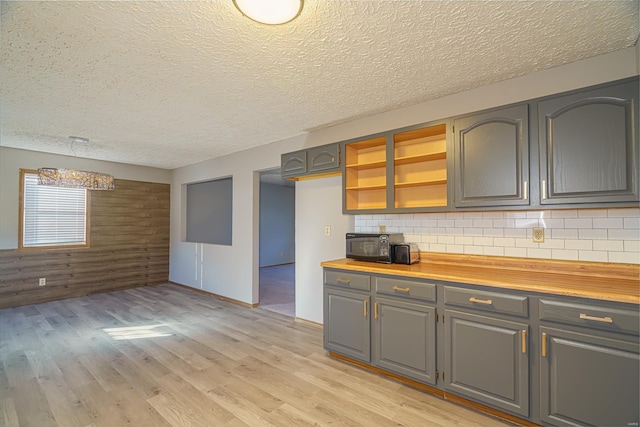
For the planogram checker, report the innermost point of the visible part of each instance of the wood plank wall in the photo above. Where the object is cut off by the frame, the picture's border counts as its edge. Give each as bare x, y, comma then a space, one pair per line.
129, 236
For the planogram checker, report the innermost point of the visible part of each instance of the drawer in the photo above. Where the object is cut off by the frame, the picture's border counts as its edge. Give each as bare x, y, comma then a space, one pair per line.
347, 280
592, 316
495, 302
405, 288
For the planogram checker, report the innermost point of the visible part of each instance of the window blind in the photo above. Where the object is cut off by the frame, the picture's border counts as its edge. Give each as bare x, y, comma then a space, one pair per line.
53, 216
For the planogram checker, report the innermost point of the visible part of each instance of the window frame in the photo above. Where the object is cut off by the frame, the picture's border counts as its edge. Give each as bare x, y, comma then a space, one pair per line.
87, 212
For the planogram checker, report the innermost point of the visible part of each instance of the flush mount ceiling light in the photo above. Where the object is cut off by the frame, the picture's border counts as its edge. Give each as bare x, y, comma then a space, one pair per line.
70, 178
270, 12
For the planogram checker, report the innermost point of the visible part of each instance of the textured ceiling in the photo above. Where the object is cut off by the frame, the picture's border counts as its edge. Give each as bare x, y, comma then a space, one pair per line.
169, 83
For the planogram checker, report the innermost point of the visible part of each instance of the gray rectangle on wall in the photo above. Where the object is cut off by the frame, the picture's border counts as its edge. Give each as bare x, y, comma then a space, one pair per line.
209, 211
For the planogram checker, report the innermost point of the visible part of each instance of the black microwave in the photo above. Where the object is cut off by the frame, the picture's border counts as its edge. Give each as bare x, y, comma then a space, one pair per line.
372, 247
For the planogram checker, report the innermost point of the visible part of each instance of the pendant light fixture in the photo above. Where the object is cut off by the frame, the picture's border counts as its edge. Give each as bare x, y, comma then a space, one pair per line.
71, 178
271, 12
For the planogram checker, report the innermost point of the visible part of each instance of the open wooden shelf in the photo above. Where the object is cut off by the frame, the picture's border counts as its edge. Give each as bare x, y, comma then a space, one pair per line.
366, 174
420, 167
421, 183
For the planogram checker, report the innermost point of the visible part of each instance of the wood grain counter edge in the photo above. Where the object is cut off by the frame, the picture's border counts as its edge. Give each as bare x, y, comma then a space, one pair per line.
600, 281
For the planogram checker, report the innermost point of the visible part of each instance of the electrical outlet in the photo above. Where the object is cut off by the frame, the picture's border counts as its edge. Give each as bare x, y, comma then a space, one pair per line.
538, 234
382, 229
327, 230
42, 281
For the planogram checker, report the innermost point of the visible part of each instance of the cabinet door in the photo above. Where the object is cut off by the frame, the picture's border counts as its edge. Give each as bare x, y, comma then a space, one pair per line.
324, 158
346, 324
405, 339
588, 380
292, 164
487, 359
492, 158
589, 146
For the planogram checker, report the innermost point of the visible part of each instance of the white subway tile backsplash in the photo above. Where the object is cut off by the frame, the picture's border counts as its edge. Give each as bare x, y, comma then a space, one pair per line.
538, 253
464, 223
504, 242
563, 233
482, 223
608, 223
624, 234
493, 251
625, 257
578, 244
578, 223
515, 232
493, 232
569, 213
516, 252
605, 235
594, 256
473, 250
565, 254
591, 233
624, 213
592, 213
608, 245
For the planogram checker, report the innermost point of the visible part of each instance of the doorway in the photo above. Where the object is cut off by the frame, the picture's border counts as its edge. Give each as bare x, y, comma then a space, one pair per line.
277, 243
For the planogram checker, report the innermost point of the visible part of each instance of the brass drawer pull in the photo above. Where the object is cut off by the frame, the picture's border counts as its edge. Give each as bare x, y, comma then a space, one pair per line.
481, 301
375, 310
365, 308
399, 289
523, 337
341, 280
544, 344
596, 319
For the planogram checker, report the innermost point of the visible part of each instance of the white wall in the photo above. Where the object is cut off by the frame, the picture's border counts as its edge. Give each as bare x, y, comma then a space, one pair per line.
318, 203
12, 160
226, 269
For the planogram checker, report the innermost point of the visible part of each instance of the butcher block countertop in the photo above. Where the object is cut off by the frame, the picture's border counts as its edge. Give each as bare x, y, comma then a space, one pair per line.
602, 281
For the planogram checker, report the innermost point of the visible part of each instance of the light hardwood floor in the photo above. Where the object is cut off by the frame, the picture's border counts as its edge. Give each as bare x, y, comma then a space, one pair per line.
167, 356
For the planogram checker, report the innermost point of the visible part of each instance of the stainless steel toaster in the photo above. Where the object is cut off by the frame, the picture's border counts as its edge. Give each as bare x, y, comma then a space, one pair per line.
405, 253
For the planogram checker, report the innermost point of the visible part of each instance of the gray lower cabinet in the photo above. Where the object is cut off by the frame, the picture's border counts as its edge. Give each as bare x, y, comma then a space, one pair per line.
347, 329
487, 359
405, 339
589, 363
589, 146
492, 158
587, 379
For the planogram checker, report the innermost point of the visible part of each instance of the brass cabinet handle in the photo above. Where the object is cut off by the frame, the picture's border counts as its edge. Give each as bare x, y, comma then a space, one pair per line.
481, 301
365, 307
526, 190
375, 310
544, 189
596, 319
399, 289
544, 344
523, 338
341, 280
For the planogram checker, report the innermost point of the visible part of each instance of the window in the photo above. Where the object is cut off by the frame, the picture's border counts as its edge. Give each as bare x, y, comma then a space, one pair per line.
51, 216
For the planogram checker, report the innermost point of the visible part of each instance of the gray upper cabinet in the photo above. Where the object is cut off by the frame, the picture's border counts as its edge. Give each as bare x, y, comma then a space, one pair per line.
314, 160
293, 164
589, 146
492, 158
324, 158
